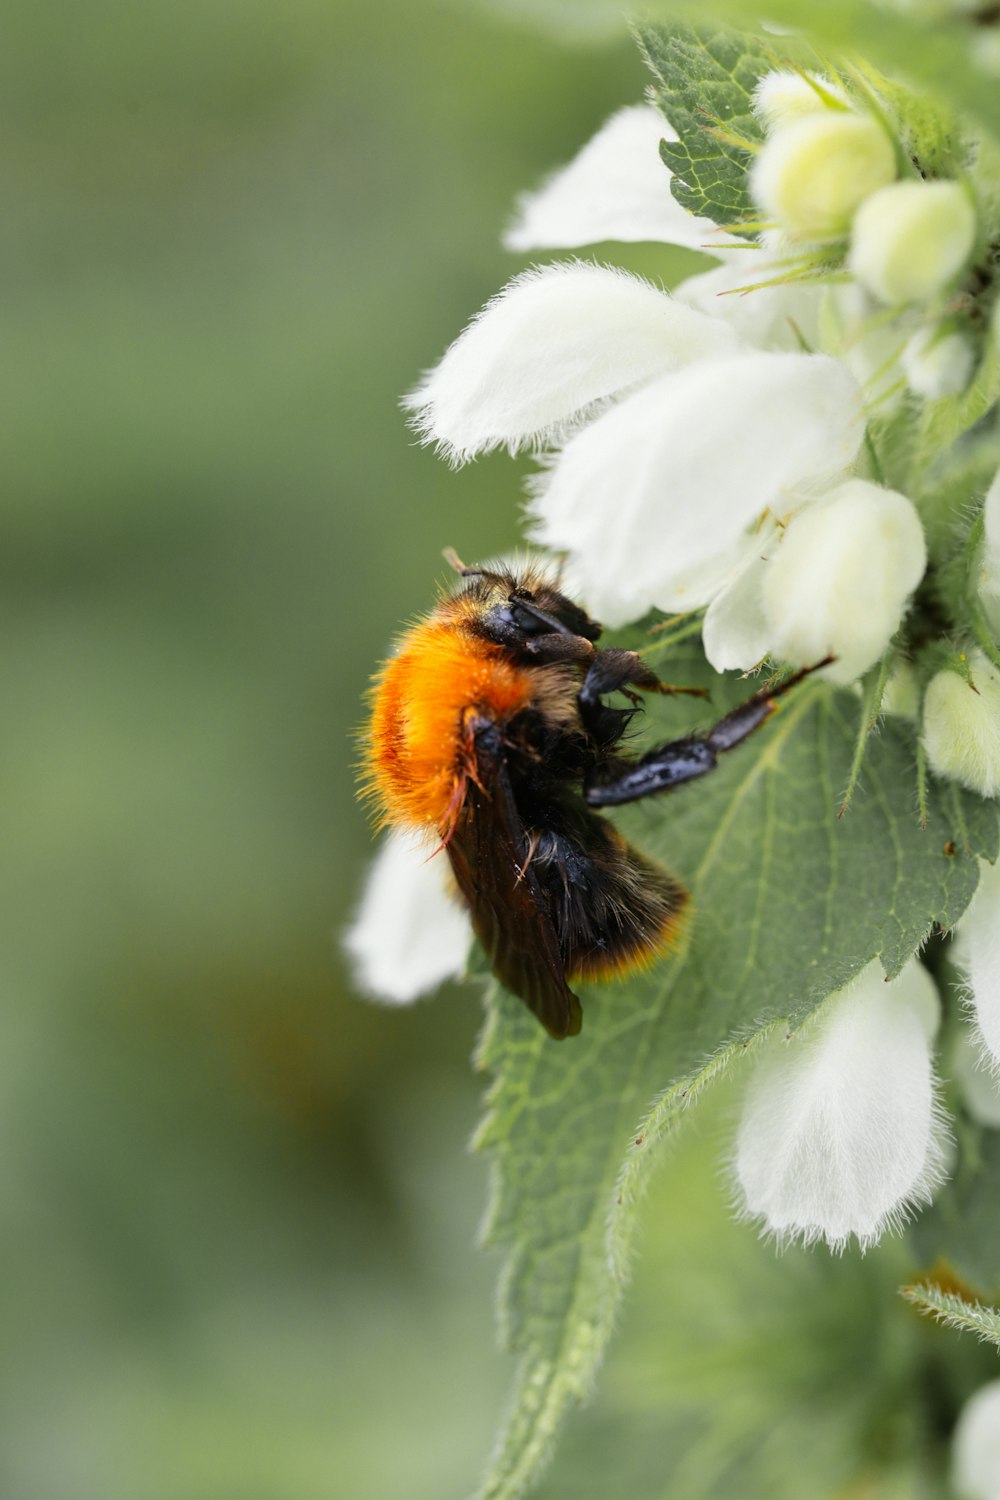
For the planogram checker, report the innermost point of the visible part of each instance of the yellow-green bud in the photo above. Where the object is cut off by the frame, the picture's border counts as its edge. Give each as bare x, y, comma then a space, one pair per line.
911, 239
783, 96
962, 726
812, 174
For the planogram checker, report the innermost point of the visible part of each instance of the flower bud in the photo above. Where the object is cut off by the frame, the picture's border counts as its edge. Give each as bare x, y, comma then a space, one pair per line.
783, 96
988, 581
911, 239
938, 363
812, 174
841, 578
902, 693
962, 726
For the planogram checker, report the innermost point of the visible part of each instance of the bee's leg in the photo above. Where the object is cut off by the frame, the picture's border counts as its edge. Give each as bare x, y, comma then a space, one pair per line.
616, 671
685, 759
555, 646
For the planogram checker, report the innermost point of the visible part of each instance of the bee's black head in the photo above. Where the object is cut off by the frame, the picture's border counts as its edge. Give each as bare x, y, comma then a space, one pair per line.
510, 608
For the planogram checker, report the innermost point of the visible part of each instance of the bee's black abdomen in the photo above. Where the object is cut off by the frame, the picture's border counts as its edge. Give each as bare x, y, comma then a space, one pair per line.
612, 908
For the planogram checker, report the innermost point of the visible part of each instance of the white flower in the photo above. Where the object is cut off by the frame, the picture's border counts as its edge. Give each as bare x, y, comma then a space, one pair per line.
616, 188
978, 1084
653, 499
410, 933
840, 1133
976, 1451
769, 317
812, 174
938, 362
555, 342
977, 952
839, 582
962, 725
783, 96
910, 239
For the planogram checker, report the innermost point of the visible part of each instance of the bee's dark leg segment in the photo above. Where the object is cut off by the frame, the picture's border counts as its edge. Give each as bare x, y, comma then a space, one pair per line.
612, 671
553, 647
667, 766
684, 760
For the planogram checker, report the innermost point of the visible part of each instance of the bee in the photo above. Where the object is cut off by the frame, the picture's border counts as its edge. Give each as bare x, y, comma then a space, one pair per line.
490, 731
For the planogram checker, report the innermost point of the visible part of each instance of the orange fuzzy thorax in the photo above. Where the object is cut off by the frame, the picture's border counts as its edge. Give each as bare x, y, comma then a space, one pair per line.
416, 762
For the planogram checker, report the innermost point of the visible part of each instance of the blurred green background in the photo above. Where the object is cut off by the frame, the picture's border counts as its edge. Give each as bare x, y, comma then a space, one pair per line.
237, 1212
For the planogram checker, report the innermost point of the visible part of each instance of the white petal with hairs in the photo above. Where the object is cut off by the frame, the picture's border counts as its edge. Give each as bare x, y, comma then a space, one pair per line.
840, 1135
691, 460
977, 950
616, 188
411, 932
554, 343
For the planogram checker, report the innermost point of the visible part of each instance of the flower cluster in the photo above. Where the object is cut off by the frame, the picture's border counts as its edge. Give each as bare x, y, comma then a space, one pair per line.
829, 177
704, 452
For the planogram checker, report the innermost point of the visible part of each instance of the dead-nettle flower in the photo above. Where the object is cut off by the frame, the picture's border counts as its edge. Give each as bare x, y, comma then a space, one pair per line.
976, 1446
977, 953
410, 933
616, 188
841, 579
841, 1135
970, 1068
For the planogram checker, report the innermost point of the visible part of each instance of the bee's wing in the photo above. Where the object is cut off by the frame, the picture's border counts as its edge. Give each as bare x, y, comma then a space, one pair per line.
490, 855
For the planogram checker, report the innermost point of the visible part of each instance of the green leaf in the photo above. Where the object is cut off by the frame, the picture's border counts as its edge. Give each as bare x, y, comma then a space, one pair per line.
938, 54
789, 903
704, 81
971, 1317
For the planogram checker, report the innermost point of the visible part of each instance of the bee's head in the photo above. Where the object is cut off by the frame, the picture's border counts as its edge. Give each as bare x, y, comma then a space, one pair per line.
510, 606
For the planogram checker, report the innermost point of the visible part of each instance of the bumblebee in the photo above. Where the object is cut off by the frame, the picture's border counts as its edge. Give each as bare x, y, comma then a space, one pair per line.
490, 731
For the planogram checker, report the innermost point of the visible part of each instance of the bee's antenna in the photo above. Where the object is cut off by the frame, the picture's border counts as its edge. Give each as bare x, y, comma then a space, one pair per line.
453, 560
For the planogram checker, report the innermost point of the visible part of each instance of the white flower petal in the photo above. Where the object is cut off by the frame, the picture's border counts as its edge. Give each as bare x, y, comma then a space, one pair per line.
410, 933
976, 1450
735, 630
840, 1133
840, 580
938, 363
978, 1084
553, 343
668, 479
770, 317
616, 188
977, 951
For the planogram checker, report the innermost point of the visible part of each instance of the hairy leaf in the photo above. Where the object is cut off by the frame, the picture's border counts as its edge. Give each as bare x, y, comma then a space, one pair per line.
789, 903
947, 1307
703, 84
936, 53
